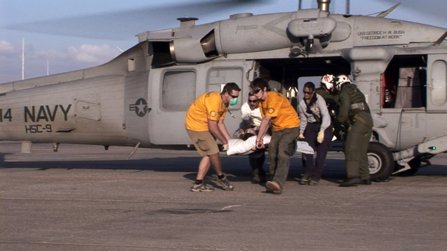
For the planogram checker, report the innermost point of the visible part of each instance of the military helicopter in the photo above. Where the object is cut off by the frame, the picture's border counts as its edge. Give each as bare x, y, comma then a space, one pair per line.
140, 97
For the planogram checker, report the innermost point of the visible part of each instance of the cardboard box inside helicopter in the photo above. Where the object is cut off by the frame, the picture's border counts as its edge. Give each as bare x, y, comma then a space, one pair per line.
404, 82
409, 88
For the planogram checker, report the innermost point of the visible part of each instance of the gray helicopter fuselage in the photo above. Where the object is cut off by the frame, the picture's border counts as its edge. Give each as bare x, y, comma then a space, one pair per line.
141, 96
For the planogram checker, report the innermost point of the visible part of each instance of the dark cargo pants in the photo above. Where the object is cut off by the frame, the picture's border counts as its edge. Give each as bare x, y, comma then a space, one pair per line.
314, 168
356, 148
282, 146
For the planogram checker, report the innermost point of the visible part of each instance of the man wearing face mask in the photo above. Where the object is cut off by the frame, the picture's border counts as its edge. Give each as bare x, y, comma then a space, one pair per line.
205, 123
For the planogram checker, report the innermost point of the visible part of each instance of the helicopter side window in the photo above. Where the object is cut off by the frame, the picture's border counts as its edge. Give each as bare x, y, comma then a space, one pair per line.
403, 84
178, 90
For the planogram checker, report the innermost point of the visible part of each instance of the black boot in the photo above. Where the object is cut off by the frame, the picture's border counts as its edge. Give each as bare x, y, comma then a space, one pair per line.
350, 182
256, 160
354, 182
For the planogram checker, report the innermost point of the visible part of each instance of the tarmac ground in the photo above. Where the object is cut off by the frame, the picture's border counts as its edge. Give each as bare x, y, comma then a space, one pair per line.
85, 198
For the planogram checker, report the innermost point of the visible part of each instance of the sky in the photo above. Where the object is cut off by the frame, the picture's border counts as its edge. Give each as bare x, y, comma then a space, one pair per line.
66, 35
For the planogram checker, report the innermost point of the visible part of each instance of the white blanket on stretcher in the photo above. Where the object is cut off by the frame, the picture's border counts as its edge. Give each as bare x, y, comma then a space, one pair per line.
239, 146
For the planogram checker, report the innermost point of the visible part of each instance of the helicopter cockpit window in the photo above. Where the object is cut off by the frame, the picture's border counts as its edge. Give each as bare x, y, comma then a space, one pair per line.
178, 90
404, 82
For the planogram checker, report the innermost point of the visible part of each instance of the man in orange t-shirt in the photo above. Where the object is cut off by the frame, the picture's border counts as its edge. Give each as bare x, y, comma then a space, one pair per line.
204, 123
277, 111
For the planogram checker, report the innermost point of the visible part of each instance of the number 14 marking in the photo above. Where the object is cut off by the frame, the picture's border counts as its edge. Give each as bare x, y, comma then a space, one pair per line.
5, 115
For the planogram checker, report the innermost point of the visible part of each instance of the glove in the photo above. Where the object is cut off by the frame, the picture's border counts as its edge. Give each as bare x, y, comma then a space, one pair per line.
225, 147
320, 136
301, 136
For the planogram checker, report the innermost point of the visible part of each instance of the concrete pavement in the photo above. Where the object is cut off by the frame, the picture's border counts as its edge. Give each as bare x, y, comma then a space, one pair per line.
85, 198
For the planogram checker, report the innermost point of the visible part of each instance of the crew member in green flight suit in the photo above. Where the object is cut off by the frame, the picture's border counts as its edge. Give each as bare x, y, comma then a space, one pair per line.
354, 111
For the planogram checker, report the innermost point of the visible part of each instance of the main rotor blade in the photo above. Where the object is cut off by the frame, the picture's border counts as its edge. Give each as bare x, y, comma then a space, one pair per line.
123, 25
431, 8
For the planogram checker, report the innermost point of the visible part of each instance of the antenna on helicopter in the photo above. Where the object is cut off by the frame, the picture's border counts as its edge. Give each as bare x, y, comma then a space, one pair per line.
348, 7
388, 11
323, 5
23, 58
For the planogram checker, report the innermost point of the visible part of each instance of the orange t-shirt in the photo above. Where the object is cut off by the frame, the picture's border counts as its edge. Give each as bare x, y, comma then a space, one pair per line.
208, 106
280, 110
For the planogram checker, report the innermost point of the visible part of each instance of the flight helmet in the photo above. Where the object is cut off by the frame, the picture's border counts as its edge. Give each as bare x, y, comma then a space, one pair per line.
341, 80
327, 81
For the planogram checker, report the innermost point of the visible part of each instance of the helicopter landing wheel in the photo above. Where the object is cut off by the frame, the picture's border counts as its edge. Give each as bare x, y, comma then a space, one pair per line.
380, 161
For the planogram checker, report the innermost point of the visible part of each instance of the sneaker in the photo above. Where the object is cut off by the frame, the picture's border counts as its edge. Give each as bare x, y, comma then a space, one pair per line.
255, 179
202, 187
258, 179
273, 186
225, 184
305, 180
313, 182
